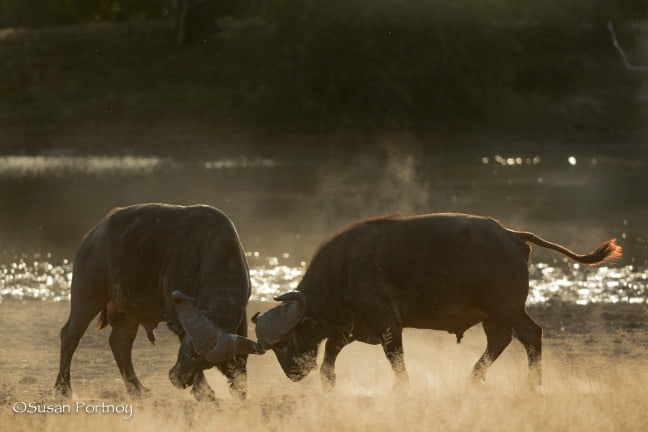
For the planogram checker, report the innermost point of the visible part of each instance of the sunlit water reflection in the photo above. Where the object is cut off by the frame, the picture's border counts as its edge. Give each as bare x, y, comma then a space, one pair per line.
40, 280
20, 166
32, 166
553, 180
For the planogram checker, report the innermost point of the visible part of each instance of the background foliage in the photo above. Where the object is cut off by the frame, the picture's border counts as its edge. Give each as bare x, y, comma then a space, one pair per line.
352, 64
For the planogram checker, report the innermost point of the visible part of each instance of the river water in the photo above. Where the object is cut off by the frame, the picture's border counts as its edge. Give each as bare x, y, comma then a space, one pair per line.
284, 202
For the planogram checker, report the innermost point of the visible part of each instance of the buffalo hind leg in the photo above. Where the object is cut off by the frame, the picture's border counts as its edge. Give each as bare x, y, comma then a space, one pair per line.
124, 331
201, 390
236, 373
332, 348
80, 317
498, 337
529, 333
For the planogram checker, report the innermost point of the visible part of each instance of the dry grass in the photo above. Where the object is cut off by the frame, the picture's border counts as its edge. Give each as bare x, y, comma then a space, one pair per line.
595, 379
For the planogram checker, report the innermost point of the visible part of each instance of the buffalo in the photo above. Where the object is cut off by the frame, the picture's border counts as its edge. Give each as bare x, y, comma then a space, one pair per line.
439, 271
145, 264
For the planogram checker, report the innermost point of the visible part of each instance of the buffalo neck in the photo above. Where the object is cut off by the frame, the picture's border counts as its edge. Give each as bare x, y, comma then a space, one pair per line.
325, 311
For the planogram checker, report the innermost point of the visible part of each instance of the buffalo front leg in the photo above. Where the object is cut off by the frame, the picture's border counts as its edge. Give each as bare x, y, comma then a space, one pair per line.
498, 337
383, 319
392, 345
201, 390
333, 347
391, 340
235, 370
124, 331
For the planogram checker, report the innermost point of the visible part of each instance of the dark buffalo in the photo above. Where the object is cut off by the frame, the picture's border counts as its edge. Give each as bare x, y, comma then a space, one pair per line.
150, 263
439, 271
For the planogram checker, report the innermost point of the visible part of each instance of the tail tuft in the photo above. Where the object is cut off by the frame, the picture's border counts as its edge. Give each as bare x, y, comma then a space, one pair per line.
608, 251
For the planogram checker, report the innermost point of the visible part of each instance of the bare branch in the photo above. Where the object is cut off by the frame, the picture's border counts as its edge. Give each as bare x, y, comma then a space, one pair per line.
622, 53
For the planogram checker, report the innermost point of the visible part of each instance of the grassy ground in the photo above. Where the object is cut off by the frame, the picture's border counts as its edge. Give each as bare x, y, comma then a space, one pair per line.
595, 378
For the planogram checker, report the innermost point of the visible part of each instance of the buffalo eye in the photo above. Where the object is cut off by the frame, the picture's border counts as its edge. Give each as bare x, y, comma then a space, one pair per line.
282, 345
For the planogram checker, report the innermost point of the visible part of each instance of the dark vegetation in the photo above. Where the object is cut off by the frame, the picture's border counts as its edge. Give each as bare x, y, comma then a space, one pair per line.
107, 73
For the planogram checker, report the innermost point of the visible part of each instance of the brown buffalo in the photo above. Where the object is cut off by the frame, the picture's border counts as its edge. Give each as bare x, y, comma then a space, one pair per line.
150, 263
438, 271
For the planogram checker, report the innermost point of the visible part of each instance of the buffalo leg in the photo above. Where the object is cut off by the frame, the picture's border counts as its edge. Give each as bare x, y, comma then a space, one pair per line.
71, 333
124, 331
498, 337
394, 351
236, 373
529, 333
201, 390
333, 347
391, 340
384, 322
235, 370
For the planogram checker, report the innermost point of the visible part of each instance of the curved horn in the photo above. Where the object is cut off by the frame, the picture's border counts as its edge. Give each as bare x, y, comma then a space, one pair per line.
275, 323
292, 295
203, 333
255, 317
207, 339
230, 345
179, 296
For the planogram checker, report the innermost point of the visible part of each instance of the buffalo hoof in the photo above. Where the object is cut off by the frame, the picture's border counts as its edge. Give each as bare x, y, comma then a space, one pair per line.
203, 395
138, 391
535, 387
327, 385
328, 379
401, 383
62, 390
179, 381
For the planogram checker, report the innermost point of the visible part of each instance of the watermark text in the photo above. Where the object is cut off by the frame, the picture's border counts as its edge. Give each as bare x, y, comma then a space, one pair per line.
77, 407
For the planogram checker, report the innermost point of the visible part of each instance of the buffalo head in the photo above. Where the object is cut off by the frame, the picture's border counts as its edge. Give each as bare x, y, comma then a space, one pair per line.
291, 336
204, 345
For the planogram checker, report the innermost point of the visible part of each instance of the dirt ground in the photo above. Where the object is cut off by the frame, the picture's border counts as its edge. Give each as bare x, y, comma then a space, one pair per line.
595, 378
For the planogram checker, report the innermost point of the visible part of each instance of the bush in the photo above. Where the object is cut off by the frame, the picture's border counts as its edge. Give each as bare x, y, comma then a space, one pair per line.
390, 63
38, 13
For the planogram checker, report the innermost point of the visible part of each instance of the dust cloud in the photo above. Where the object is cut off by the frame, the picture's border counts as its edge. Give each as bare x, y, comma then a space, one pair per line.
387, 179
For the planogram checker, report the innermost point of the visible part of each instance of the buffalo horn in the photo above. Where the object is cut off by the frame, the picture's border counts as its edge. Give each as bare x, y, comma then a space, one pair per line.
230, 345
179, 296
298, 296
275, 323
202, 331
207, 339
